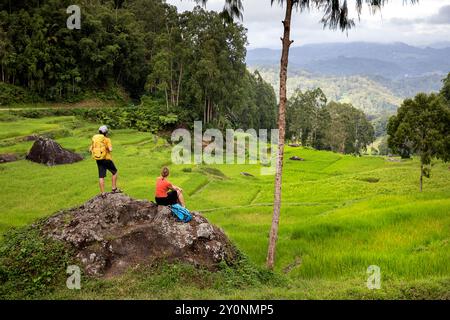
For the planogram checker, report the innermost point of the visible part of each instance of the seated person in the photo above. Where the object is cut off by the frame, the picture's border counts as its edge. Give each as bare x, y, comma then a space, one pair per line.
166, 193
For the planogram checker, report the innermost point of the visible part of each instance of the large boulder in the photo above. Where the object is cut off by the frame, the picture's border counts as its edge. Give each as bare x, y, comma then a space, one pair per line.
113, 233
50, 153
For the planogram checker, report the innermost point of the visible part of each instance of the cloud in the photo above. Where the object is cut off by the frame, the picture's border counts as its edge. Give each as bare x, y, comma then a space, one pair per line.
442, 17
421, 24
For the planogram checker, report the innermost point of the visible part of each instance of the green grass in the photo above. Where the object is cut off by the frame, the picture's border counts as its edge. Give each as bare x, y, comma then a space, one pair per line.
340, 214
86, 103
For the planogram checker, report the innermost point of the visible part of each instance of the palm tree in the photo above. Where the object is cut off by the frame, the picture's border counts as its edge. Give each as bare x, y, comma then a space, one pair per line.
335, 16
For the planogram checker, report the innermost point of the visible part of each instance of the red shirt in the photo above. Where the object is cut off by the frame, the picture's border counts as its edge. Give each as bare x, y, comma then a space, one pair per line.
162, 186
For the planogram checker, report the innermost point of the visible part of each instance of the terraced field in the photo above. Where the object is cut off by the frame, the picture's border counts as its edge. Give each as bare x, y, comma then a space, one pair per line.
340, 214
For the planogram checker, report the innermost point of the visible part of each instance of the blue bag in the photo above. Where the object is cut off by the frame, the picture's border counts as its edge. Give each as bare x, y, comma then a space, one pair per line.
181, 213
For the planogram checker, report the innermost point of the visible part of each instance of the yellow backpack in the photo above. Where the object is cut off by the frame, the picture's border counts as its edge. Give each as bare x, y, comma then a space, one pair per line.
98, 147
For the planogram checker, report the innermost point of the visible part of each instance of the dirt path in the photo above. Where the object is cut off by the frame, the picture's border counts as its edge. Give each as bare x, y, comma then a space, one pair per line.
92, 103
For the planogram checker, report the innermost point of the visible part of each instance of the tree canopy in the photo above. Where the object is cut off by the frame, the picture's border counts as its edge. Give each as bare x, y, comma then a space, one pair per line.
422, 127
339, 127
192, 62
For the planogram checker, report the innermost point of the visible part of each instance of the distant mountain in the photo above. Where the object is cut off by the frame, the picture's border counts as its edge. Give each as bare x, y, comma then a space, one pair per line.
394, 61
439, 45
373, 77
347, 66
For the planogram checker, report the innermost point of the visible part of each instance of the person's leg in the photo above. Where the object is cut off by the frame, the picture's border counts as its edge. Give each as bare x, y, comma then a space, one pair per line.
114, 181
101, 175
180, 198
112, 168
162, 201
101, 182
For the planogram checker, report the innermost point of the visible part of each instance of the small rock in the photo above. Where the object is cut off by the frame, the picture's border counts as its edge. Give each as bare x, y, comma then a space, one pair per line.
296, 158
8, 157
247, 174
32, 137
205, 231
295, 145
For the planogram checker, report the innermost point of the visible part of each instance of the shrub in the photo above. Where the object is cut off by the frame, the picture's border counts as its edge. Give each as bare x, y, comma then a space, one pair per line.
10, 94
149, 116
8, 117
56, 134
30, 263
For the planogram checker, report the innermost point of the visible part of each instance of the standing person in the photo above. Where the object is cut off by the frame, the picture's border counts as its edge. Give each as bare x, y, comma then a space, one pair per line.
101, 148
166, 193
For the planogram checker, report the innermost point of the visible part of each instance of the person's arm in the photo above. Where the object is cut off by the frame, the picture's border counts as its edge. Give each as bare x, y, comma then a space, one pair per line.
109, 145
174, 187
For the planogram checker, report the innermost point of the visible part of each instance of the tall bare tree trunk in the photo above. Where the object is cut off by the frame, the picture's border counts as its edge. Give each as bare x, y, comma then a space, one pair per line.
205, 120
179, 85
281, 126
172, 90
167, 100
209, 110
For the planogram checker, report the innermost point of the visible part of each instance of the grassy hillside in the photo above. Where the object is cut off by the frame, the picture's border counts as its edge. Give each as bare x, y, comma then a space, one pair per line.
340, 214
364, 93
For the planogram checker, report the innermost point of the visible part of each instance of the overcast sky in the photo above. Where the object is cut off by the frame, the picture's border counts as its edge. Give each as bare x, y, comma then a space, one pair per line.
421, 24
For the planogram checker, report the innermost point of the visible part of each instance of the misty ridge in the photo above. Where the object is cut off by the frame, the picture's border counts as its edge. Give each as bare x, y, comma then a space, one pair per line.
393, 61
375, 77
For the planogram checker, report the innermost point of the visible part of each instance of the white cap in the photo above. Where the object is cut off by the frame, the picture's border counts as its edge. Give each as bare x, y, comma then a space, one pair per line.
103, 129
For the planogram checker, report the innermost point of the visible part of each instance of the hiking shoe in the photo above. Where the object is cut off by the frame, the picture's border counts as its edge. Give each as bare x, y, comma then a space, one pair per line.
116, 190
103, 195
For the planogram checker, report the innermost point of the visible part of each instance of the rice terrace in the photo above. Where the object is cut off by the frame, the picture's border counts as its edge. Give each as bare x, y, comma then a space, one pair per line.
357, 206
340, 214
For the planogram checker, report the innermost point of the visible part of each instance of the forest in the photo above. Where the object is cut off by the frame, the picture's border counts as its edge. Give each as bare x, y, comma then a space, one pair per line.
190, 65
334, 126
176, 67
